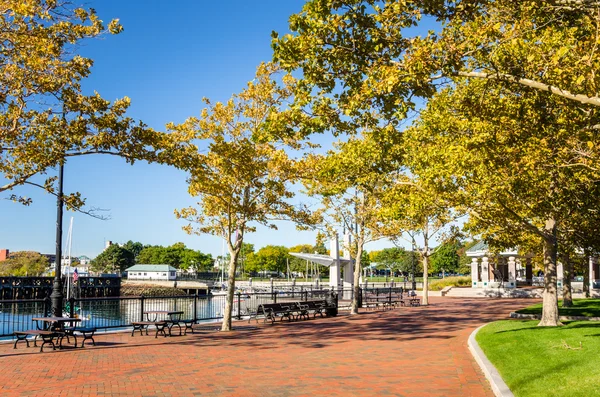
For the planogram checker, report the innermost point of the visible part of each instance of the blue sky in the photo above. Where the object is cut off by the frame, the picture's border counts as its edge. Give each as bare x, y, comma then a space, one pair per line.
166, 60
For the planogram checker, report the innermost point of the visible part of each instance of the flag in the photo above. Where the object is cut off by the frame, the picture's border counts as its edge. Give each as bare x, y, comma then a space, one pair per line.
75, 275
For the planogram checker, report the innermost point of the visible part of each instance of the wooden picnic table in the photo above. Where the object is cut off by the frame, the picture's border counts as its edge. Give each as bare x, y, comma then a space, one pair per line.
174, 318
57, 325
54, 323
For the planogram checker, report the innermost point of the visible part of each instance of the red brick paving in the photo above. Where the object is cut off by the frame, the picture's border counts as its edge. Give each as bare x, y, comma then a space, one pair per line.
413, 352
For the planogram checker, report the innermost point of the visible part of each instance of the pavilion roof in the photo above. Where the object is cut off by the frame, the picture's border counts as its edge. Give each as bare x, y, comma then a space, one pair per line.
324, 260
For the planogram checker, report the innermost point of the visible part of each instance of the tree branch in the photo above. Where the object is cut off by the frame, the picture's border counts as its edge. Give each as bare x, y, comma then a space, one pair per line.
584, 99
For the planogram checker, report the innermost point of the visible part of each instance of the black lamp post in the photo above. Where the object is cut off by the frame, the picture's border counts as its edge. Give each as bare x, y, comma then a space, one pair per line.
414, 266
57, 290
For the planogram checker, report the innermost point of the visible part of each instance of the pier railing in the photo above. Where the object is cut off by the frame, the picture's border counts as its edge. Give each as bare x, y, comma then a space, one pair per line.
119, 312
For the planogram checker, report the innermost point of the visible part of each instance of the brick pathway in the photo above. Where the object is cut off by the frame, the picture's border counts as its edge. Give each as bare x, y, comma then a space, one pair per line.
402, 352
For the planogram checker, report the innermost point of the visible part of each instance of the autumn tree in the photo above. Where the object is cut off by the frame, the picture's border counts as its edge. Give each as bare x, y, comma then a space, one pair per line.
44, 115
515, 162
244, 177
359, 55
349, 182
270, 257
415, 209
24, 263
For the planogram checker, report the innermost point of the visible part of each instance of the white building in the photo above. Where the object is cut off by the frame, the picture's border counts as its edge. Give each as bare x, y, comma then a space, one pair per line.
151, 272
489, 270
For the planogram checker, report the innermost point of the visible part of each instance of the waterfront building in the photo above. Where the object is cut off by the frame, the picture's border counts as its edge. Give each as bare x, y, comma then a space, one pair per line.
152, 272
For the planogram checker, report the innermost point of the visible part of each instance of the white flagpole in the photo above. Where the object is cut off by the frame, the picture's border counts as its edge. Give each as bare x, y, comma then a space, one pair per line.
69, 237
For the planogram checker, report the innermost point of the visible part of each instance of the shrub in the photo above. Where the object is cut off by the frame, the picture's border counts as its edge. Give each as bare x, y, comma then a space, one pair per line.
150, 290
438, 285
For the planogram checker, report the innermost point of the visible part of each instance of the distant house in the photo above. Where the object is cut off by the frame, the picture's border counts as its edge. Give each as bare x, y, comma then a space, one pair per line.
151, 272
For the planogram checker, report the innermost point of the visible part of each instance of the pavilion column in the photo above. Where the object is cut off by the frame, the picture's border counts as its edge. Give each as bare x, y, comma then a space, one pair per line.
560, 274
485, 271
474, 272
512, 271
594, 273
492, 266
334, 269
528, 271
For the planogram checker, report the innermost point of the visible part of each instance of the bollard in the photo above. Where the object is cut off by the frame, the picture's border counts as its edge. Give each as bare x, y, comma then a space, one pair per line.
142, 308
196, 306
47, 306
71, 307
239, 306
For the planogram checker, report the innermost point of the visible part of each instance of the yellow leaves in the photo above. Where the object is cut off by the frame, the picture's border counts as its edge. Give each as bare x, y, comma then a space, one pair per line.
114, 27
38, 68
244, 176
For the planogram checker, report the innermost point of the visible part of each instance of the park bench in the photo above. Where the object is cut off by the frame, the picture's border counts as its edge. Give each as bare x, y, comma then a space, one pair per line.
283, 310
316, 307
385, 300
376, 301
290, 310
141, 325
47, 337
260, 312
414, 301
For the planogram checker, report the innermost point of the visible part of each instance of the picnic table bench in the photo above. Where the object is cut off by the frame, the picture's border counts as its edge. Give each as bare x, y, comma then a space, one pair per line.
172, 318
143, 325
189, 325
47, 337
51, 330
86, 332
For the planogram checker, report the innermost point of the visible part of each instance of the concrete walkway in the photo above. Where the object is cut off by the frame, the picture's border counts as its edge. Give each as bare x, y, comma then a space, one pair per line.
419, 351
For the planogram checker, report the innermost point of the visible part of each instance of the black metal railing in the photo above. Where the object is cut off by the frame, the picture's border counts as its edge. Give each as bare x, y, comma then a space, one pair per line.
16, 315
119, 312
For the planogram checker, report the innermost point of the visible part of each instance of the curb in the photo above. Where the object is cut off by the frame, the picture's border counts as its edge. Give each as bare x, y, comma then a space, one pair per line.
499, 388
560, 318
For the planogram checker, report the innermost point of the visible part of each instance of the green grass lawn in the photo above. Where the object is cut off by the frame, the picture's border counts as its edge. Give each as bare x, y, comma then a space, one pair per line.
533, 361
581, 307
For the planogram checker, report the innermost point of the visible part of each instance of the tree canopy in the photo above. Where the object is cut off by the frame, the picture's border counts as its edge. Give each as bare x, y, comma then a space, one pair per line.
508, 134
244, 178
113, 259
44, 115
176, 255
24, 263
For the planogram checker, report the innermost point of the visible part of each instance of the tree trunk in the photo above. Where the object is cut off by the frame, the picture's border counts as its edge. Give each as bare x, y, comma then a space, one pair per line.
550, 296
425, 300
567, 275
356, 286
586, 277
230, 291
